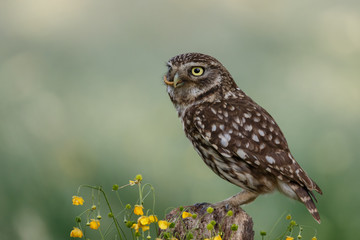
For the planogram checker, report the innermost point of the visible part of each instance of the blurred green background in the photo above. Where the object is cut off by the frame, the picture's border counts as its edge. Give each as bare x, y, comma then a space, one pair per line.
82, 102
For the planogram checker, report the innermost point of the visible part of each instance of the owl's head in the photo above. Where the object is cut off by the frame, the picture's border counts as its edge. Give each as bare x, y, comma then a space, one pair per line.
196, 77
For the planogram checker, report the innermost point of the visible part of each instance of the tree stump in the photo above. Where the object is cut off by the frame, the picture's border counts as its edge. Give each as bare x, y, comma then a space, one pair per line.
198, 226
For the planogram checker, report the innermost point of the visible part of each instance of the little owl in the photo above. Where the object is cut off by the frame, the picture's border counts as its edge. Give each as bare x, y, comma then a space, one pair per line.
235, 137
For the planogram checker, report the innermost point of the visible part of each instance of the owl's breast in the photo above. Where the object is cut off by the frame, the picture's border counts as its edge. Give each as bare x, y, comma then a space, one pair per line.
230, 168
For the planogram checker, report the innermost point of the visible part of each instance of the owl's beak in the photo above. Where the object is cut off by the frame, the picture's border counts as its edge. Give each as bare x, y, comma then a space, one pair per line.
176, 83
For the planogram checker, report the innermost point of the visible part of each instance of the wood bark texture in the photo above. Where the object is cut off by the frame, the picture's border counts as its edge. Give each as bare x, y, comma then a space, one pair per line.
198, 226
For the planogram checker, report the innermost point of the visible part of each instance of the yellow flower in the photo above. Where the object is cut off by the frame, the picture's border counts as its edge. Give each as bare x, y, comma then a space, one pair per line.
142, 223
94, 224
77, 200
314, 238
143, 220
217, 237
186, 214
145, 228
138, 210
289, 238
163, 224
137, 226
153, 218
76, 233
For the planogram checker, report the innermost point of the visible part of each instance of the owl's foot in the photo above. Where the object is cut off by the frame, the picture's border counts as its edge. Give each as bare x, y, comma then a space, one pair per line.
241, 198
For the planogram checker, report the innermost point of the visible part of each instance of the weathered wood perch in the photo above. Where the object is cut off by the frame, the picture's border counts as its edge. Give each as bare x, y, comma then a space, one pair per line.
199, 225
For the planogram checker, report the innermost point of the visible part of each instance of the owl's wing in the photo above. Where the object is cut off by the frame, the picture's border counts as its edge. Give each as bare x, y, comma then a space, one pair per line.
240, 129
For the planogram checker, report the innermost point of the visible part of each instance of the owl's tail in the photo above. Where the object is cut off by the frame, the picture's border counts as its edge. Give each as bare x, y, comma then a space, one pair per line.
306, 197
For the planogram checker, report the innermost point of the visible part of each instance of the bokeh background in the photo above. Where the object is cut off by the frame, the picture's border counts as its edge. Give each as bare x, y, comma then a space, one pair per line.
82, 102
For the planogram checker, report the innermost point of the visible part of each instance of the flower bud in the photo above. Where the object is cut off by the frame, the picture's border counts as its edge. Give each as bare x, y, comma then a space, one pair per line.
189, 236
210, 227
110, 215
209, 209
93, 207
139, 177
213, 222
129, 224
128, 206
194, 216
262, 233
78, 219
229, 213
115, 187
234, 227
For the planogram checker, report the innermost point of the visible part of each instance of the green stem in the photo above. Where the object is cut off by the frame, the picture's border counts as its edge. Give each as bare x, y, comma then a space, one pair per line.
118, 228
140, 194
118, 196
153, 192
102, 236
276, 223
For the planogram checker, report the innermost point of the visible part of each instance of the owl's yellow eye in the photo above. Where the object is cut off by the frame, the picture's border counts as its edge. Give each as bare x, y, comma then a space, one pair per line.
197, 71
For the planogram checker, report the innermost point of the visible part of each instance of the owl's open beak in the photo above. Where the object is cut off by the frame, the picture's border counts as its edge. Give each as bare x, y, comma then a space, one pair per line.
176, 83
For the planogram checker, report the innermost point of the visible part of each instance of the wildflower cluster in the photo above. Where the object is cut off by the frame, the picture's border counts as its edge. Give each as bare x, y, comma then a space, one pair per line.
142, 222
93, 216
290, 233
136, 218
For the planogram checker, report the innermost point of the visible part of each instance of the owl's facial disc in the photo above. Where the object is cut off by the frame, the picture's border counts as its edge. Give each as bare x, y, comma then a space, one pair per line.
190, 73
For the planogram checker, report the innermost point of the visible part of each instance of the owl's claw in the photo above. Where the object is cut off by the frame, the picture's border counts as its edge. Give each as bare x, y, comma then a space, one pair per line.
226, 204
